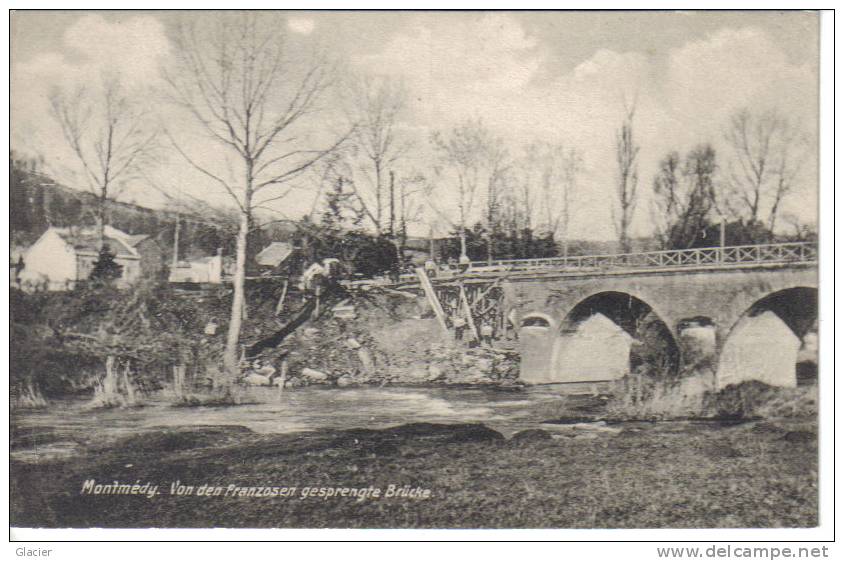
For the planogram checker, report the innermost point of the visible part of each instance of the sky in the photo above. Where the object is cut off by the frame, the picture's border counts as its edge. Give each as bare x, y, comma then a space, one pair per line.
560, 77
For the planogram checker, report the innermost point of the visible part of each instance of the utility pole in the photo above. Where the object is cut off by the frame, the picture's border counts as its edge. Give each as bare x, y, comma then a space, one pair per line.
399, 250
392, 204
431, 248
176, 242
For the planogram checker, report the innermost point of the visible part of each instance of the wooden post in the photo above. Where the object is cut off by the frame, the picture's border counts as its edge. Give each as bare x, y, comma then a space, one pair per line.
176, 243
130, 391
280, 306
468, 311
282, 377
178, 380
431, 294
317, 291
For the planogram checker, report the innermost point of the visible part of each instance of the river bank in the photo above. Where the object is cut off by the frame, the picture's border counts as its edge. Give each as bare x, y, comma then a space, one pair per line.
664, 475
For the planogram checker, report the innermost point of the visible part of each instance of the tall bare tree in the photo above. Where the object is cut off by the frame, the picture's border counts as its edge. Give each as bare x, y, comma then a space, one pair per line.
626, 153
466, 159
549, 175
767, 150
254, 102
409, 206
498, 170
684, 197
374, 106
111, 136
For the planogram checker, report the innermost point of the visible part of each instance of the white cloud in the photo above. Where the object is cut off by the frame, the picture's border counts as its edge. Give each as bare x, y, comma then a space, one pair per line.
92, 45
304, 26
488, 67
131, 48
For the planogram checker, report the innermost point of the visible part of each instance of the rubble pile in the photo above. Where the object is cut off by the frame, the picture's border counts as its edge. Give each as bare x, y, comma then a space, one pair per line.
388, 340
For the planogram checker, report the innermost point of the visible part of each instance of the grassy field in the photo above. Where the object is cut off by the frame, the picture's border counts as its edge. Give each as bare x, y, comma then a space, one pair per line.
657, 475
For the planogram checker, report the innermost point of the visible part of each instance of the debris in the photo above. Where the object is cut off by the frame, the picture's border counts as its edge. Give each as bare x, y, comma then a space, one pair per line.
366, 359
345, 381
257, 380
314, 374
344, 310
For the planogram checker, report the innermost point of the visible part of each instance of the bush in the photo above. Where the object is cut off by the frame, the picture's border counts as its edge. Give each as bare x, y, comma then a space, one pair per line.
29, 397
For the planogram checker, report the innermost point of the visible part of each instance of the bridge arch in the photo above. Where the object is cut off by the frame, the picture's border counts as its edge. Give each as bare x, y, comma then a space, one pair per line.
601, 337
537, 320
764, 343
653, 341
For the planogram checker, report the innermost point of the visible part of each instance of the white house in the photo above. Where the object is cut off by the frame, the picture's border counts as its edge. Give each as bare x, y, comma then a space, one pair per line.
63, 256
202, 270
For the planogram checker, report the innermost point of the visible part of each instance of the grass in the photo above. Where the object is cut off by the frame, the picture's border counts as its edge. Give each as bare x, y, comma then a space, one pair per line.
689, 475
639, 397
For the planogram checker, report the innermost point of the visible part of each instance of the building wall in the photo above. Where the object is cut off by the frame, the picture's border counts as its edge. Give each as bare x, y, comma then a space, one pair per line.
210, 271
152, 258
49, 261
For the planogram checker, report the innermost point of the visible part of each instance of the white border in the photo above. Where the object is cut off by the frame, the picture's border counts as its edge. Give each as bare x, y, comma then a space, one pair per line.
629, 551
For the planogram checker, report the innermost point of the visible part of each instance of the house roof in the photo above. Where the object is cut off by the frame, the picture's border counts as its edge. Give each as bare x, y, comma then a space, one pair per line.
274, 254
135, 239
131, 239
86, 241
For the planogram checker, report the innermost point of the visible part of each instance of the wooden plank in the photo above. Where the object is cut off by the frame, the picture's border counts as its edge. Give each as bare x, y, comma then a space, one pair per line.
432, 298
468, 310
487, 291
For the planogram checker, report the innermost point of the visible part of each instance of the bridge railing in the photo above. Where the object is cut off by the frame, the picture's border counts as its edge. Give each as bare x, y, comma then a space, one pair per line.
713, 256
797, 252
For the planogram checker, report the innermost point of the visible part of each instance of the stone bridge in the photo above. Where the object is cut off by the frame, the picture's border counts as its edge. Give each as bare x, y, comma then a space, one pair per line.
559, 305
549, 309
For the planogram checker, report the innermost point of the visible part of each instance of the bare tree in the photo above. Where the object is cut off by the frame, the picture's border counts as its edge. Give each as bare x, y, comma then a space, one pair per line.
549, 175
253, 103
374, 107
684, 197
626, 152
110, 135
498, 166
767, 150
465, 158
409, 206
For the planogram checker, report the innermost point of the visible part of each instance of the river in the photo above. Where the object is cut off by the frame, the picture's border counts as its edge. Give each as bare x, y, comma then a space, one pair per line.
57, 430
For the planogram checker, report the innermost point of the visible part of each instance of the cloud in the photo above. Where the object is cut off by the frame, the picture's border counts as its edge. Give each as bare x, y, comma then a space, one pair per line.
92, 47
490, 67
736, 68
448, 62
304, 26
132, 48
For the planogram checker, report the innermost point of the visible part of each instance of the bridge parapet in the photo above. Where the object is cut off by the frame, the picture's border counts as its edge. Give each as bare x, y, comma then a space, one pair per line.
699, 258
799, 252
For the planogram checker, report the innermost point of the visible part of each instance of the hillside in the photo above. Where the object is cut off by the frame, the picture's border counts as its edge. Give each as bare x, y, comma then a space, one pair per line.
36, 202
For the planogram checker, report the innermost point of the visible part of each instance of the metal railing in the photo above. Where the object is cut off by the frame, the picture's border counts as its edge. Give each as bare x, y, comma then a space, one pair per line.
799, 252
707, 257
